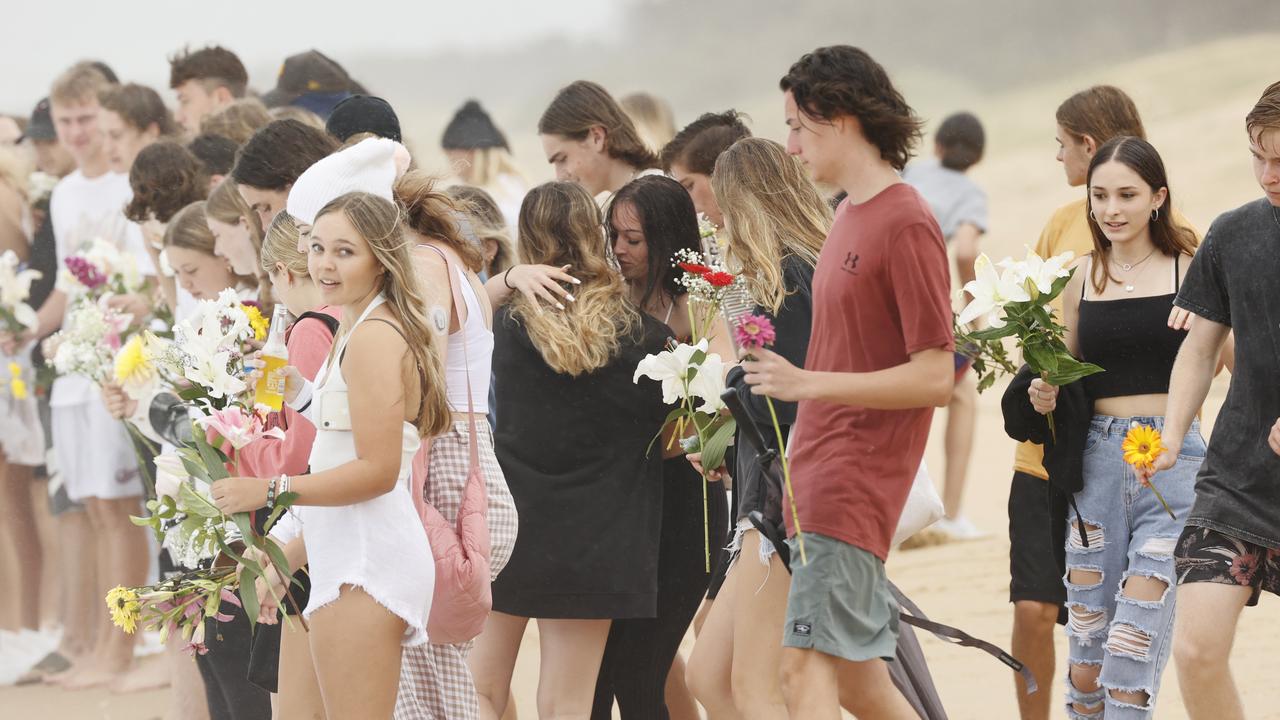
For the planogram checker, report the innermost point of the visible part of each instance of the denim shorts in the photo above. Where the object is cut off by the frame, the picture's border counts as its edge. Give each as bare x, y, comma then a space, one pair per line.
1130, 535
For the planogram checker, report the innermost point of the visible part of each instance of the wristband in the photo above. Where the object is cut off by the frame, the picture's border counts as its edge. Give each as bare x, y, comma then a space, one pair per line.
506, 280
271, 493
303, 400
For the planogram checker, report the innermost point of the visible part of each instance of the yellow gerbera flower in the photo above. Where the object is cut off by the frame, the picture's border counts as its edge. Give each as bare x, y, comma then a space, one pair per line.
259, 323
18, 387
15, 369
133, 362
125, 608
1142, 446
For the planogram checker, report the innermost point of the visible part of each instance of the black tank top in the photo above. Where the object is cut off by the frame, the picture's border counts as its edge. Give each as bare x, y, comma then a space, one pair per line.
1131, 339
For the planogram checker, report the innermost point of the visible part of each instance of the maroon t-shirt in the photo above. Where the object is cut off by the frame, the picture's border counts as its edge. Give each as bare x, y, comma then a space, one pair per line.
880, 293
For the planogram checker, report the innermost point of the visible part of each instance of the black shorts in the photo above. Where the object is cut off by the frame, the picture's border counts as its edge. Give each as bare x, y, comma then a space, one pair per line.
1037, 536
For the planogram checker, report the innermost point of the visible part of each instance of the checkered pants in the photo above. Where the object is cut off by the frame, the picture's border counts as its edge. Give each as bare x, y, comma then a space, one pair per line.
435, 683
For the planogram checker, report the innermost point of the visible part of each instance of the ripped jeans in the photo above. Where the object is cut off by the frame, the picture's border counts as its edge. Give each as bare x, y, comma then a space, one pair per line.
1130, 535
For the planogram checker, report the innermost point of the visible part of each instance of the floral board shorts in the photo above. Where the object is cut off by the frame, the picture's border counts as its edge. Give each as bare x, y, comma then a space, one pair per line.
1205, 555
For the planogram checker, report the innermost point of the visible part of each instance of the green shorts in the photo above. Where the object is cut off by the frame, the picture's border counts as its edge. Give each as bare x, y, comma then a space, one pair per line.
839, 602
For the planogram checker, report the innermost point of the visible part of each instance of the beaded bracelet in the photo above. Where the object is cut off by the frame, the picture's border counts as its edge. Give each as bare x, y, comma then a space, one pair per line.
284, 484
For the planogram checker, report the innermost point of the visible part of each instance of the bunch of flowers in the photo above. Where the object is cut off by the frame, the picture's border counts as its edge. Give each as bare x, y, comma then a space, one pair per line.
100, 268
204, 363
15, 287
1013, 297
17, 385
178, 605
694, 378
209, 347
89, 339
707, 282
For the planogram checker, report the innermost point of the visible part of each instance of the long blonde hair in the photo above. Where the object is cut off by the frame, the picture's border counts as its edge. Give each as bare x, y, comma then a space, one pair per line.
380, 222
771, 210
434, 215
560, 225
488, 164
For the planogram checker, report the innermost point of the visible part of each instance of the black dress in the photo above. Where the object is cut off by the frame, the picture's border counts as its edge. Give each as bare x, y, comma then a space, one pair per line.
576, 455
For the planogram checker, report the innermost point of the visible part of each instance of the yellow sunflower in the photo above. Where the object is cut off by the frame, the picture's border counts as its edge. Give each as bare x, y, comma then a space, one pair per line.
1142, 446
18, 387
125, 608
259, 323
14, 369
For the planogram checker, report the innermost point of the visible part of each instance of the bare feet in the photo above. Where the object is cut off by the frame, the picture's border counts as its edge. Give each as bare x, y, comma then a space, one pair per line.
91, 677
148, 673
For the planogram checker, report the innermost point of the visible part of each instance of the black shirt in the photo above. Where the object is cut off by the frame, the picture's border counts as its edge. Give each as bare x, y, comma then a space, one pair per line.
1234, 280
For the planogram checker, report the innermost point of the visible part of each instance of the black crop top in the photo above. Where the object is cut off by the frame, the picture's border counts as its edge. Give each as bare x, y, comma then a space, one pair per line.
1131, 340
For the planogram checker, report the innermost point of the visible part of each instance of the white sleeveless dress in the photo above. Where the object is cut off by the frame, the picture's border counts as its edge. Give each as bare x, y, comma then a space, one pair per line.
378, 545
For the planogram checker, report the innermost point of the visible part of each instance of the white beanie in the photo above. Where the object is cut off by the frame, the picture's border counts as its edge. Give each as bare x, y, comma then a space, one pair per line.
368, 166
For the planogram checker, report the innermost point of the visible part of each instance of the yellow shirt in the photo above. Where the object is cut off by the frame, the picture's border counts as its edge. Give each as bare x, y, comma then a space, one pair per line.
1068, 229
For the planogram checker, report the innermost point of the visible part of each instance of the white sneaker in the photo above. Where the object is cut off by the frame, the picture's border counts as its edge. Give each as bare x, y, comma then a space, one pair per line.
957, 528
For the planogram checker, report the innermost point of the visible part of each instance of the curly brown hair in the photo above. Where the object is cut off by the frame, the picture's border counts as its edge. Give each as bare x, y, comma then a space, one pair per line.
841, 80
214, 66
165, 178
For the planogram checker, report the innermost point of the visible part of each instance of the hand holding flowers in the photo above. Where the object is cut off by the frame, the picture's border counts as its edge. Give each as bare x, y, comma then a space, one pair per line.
1143, 447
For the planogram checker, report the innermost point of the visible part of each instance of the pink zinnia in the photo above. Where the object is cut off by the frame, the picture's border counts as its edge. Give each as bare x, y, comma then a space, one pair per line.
754, 332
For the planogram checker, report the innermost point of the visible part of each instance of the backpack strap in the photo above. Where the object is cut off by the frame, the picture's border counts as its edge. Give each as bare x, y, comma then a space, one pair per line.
329, 321
451, 268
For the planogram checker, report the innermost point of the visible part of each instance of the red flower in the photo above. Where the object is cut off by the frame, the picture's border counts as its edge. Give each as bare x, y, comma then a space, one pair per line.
694, 268
718, 279
1244, 567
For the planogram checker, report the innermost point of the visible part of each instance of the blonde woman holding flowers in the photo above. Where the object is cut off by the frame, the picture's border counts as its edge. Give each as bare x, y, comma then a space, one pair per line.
775, 224
379, 393
1120, 585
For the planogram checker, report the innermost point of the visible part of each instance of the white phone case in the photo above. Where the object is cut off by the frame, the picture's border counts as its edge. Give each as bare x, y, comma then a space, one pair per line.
335, 413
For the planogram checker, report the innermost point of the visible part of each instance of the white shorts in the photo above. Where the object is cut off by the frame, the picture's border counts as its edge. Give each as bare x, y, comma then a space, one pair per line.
94, 452
21, 433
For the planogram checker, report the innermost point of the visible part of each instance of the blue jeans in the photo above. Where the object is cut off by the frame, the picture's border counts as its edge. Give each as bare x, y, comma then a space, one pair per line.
1130, 535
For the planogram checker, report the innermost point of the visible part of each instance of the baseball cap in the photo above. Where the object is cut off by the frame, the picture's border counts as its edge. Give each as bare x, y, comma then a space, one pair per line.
40, 127
307, 72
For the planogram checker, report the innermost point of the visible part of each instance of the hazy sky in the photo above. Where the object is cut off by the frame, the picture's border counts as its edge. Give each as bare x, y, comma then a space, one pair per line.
135, 36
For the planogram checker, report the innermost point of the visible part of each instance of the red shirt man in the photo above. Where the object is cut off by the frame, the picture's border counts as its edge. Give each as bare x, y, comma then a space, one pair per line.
880, 359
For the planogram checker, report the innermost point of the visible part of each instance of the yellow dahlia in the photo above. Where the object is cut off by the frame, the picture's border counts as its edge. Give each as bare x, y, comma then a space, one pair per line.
259, 323
125, 608
1142, 446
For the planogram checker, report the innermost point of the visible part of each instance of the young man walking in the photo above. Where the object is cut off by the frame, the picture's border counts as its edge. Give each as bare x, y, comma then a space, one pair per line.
879, 362
1229, 551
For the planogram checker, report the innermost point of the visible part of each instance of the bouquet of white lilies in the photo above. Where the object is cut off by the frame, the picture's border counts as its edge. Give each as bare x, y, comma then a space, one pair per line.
1013, 297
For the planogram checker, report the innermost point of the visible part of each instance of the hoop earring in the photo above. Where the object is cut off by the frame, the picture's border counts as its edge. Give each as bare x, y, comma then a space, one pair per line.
1155, 215
1093, 217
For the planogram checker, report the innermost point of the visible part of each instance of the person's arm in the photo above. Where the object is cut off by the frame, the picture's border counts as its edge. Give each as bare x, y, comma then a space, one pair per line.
374, 368
309, 343
1188, 387
926, 380
434, 273
967, 243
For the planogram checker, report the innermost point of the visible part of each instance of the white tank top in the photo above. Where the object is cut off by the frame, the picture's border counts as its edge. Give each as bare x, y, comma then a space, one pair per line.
479, 353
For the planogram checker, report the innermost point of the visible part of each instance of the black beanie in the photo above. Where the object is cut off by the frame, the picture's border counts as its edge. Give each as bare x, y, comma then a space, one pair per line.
471, 129
363, 113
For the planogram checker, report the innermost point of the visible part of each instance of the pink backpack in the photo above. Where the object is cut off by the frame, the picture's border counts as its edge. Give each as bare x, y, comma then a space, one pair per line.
463, 597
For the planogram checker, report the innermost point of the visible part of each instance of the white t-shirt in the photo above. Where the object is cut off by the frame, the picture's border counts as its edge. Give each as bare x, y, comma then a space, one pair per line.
81, 209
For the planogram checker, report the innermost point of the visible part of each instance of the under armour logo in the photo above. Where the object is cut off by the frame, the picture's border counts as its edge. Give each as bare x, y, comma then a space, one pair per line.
851, 263
802, 629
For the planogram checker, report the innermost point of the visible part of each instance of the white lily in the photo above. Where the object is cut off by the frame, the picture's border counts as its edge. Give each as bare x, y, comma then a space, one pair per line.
708, 383
669, 367
1040, 274
210, 372
15, 284
170, 475
992, 291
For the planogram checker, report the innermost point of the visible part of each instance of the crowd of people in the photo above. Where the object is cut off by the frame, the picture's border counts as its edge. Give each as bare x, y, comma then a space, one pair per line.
467, 346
